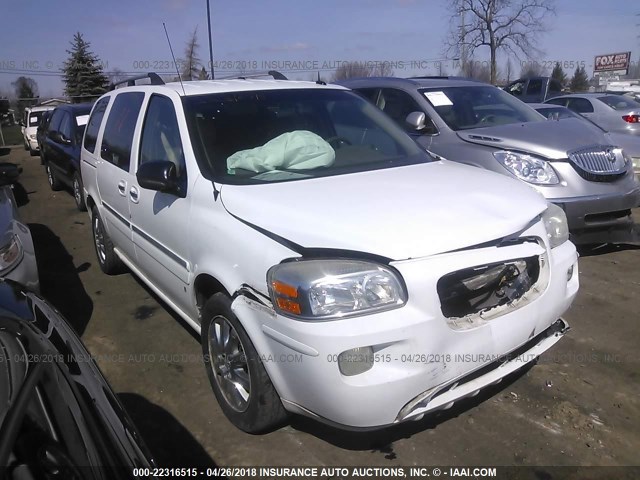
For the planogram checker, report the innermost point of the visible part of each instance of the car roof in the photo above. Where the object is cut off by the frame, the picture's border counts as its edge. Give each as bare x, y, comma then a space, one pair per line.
41, 108
201, 87
76, 108
415, 82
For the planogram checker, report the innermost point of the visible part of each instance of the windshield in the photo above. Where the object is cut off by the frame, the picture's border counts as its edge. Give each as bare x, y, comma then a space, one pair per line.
619, 102
467, 107
282, 135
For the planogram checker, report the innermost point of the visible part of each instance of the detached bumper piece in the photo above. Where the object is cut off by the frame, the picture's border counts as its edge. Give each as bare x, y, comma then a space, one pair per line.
443, 396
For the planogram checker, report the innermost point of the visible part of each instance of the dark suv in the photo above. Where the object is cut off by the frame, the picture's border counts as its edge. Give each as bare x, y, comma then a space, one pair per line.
61, 148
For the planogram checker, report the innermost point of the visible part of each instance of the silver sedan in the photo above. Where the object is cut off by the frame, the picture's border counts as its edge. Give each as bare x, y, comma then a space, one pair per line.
614, 113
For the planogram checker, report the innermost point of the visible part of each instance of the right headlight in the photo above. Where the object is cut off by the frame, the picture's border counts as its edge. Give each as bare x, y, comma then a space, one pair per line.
555, 222
527, 167
333, 288
636, 164
10, 254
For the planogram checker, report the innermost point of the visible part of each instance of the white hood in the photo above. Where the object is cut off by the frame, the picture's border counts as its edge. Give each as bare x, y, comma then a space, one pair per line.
398, 213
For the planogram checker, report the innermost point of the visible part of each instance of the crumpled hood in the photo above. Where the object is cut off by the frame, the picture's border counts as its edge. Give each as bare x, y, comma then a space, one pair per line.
551, 139
398, 213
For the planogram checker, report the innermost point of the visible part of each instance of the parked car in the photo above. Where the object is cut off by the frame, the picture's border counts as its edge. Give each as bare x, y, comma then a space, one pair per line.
61, 149
614, 113
17, 256
534, 89
30, 122
629, 143
41, 132
58, 415
319, 252
480, 125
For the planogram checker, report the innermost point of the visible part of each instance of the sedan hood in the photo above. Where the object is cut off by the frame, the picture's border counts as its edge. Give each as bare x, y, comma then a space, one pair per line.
550, 139
397, 213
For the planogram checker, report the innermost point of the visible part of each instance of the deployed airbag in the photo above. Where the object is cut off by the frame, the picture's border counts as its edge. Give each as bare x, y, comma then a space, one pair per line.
298, 150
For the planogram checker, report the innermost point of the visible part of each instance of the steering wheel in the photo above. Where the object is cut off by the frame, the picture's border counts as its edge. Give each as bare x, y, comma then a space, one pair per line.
338, 142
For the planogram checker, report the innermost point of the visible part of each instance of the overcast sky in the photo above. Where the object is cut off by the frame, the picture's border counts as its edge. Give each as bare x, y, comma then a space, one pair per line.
128, 35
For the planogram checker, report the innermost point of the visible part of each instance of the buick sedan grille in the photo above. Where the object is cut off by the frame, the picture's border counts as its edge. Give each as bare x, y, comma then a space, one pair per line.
599, 163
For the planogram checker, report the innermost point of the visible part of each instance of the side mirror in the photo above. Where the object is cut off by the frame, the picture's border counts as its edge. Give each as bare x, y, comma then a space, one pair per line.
416, 120
161, 176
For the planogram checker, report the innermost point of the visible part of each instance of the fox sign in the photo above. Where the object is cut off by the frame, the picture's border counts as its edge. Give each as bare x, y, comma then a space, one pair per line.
613, 62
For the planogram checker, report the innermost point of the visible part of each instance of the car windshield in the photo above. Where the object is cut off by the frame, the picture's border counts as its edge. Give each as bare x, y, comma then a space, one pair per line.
464, 108
619, 102
282, 135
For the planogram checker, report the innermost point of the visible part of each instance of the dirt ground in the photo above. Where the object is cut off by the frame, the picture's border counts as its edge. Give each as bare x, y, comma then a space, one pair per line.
580, 405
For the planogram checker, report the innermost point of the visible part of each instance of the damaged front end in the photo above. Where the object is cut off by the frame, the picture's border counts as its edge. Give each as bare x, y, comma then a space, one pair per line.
475, 294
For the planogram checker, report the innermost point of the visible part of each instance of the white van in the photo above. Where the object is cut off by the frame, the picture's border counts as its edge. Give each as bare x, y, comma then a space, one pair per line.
30, 122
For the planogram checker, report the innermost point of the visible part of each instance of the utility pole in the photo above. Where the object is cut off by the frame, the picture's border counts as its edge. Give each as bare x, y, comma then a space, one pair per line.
210, 44
463, 45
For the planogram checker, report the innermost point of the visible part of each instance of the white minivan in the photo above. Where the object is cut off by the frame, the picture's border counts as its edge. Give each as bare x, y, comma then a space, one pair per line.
332, 267
30, 123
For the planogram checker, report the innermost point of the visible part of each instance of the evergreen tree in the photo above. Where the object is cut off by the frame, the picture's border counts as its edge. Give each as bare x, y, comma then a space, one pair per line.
558, 74
580, 80
83, 75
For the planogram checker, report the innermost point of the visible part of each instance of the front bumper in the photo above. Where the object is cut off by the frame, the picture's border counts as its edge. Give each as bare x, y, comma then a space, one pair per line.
601, 218
416, 352
33, 145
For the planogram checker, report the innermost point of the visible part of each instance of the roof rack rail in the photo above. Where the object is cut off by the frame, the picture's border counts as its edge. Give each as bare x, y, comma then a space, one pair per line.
271, 73
131, 81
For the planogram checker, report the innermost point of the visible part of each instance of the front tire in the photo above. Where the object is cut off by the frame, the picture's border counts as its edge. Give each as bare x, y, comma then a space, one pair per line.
238, 378
54, 183
109, 262
78, 193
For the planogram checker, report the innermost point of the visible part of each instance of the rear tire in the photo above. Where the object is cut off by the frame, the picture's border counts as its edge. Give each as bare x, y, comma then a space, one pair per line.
109, 262
78, 192
238, 378
54, 183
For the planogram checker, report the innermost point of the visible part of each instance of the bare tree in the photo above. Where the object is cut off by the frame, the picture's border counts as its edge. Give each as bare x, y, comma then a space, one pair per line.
509, 70
502, 25
191, 62
362, 69
532, 69
476, 69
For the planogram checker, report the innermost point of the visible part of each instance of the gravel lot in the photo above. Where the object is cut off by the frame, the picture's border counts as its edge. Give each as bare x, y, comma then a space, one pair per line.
580, 405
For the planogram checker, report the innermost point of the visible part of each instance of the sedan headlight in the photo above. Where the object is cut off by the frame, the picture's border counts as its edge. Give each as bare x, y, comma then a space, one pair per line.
636, 164
527, 167
329, 289
555, 222
32, 136
10, 254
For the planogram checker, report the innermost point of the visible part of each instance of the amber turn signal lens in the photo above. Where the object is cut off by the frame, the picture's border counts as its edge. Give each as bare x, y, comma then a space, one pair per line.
285, 289
288, 305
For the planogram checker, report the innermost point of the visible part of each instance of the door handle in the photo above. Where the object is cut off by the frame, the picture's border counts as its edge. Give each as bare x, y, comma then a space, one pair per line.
122, 187
133, 194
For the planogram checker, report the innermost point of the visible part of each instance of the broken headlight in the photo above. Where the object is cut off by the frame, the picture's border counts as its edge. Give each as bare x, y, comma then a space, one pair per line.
527, 167
555, 222
328, 289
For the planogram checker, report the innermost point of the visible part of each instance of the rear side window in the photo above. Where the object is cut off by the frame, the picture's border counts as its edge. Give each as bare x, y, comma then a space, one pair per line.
56, 118
93, 126
535, 86
580, 105
118, 134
